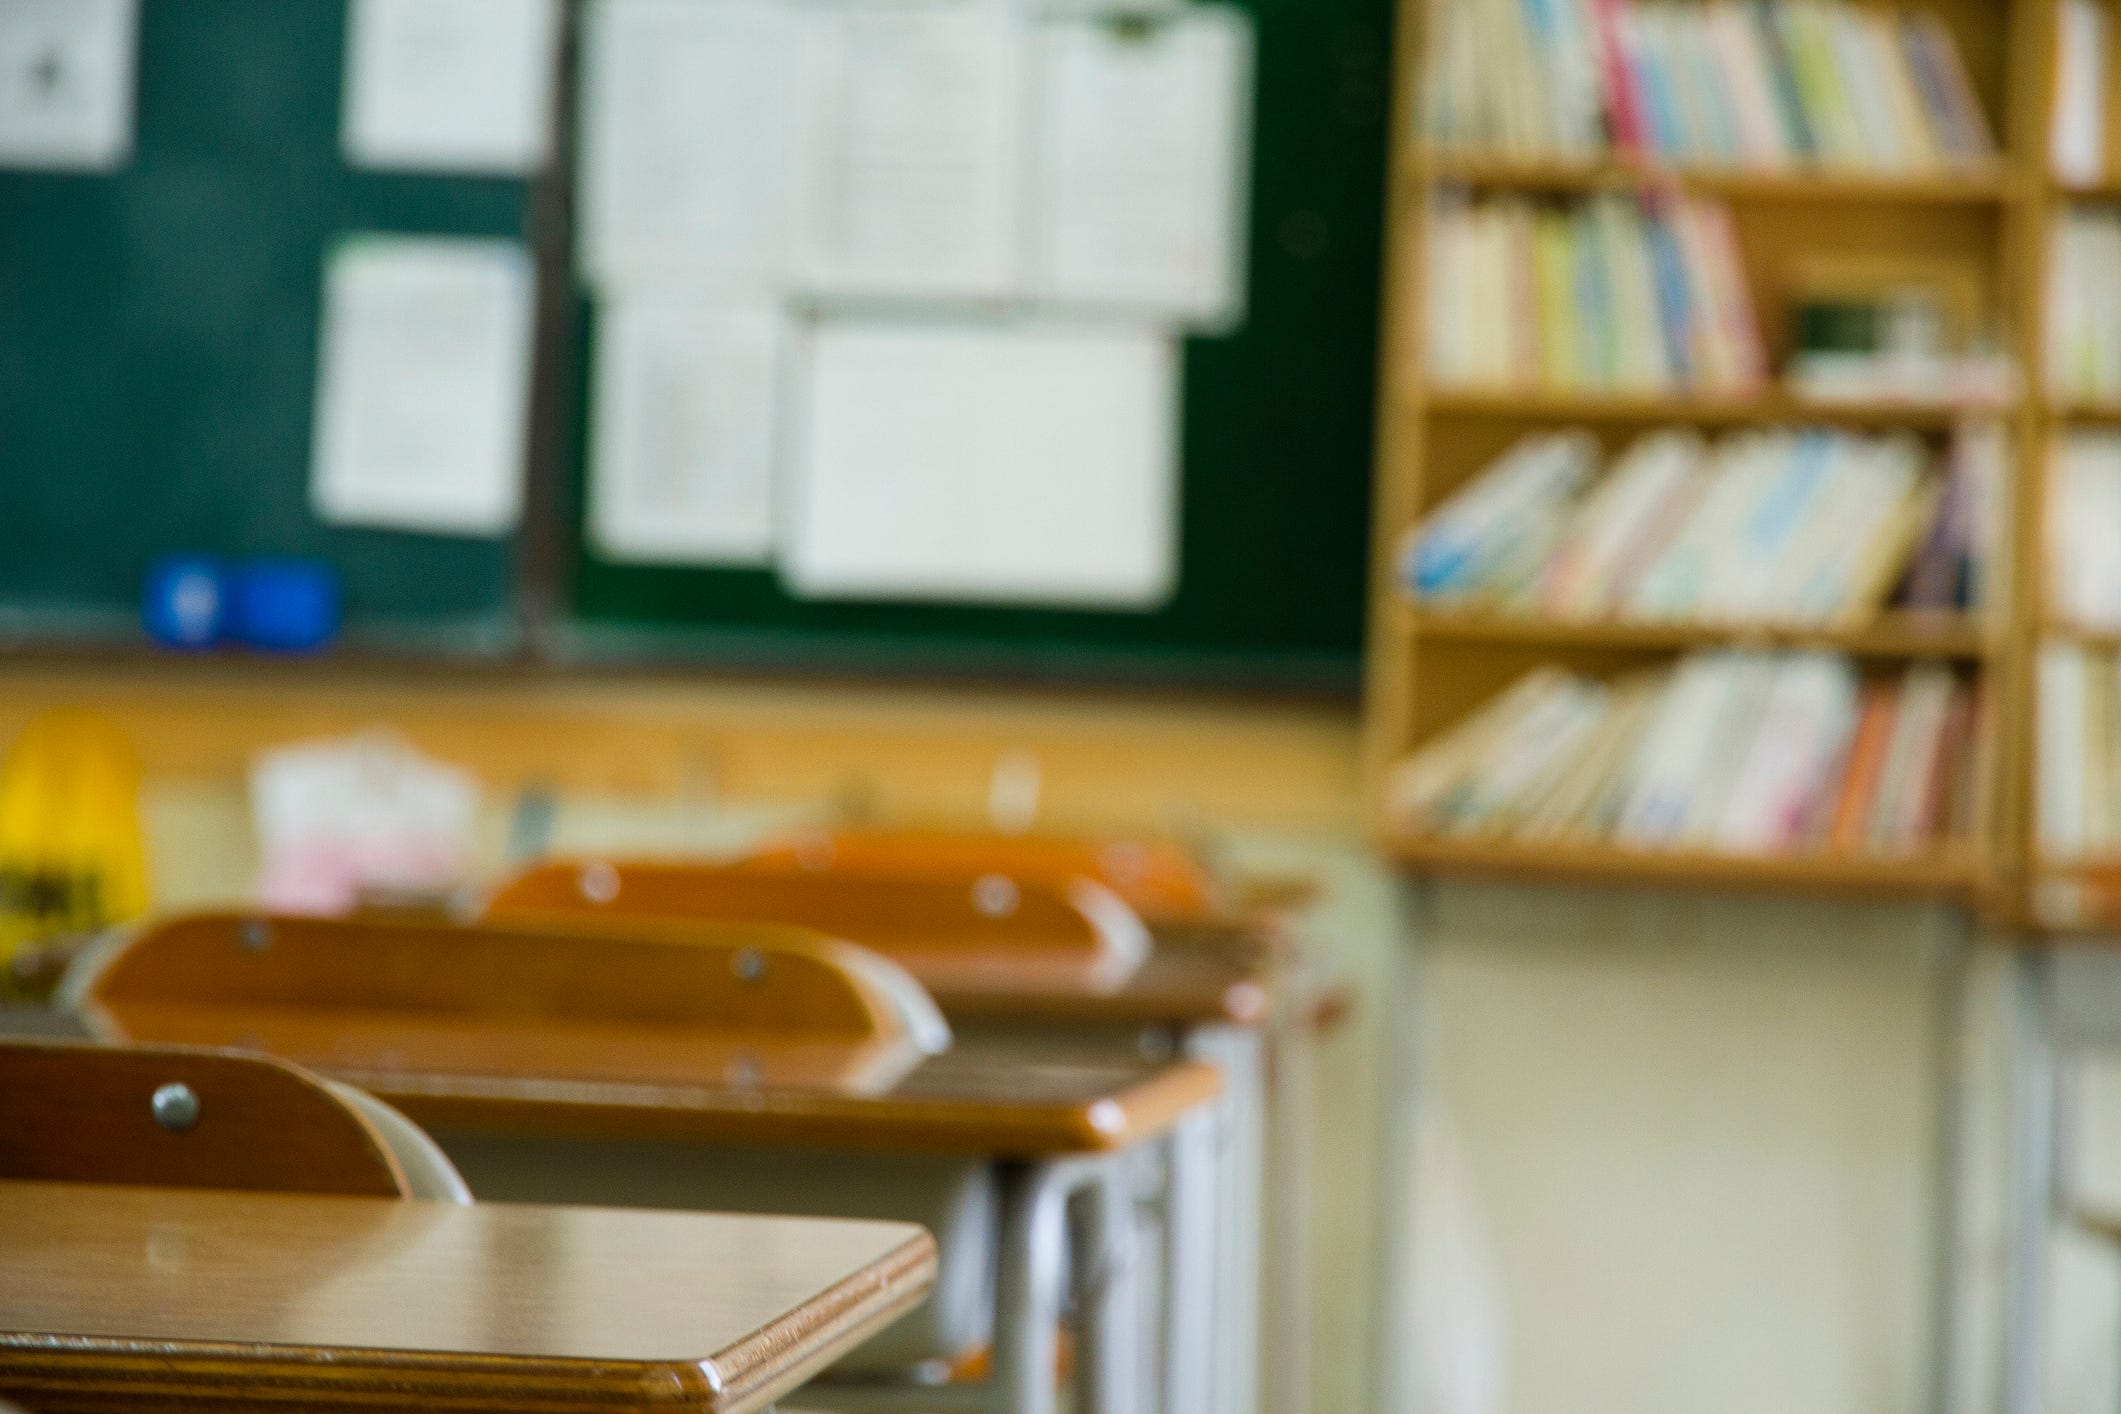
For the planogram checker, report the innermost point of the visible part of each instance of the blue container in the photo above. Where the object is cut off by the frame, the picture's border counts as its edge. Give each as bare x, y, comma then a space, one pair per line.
284, 606
185, 603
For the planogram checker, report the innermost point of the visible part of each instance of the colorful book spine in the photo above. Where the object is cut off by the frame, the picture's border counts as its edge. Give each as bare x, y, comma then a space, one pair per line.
1716, 83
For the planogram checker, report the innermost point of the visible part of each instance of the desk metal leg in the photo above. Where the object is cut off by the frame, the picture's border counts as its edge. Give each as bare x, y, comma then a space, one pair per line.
1188, 1287
1029, 1284
1240, 1145
2031, 1195
1108, 1364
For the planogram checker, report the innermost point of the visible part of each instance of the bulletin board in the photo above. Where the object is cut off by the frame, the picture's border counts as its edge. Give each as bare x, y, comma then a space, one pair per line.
1276, 430
158, 347
159, 334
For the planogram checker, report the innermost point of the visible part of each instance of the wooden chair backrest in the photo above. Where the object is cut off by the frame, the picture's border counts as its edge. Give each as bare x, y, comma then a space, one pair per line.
992, 929
599, 1002
79, 1113
1161, 880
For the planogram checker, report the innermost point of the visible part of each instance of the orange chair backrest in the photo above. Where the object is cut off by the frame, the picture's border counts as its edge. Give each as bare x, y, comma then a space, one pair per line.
183, 1118
601, 1002
1160, 880
992, 930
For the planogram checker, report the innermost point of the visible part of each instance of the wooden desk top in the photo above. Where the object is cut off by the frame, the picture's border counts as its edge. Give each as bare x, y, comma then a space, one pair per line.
981, 1098
165, 1298
1204, 974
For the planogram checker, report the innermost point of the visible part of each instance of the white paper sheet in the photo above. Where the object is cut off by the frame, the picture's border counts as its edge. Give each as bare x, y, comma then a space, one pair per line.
684, 426
1029, 463
67, 82
911, 124
339, 821
1142, 140
423, 384
687, 158
450, 85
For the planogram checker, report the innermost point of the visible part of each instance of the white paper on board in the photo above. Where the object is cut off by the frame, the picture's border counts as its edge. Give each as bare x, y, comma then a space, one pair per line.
67, 80
1025, 463
911, 129
687, 164
684, 430
450, 85
1142, 148
423, 385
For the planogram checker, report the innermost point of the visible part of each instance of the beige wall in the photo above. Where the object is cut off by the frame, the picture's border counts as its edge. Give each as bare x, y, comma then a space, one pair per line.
1701, 1131
1698, 1135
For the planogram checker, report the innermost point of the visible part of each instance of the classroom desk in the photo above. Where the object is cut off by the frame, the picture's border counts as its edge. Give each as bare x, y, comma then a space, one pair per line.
1060, 1123
1066, 1126
1233, 994
993, 1100
1194, 975
138, 1298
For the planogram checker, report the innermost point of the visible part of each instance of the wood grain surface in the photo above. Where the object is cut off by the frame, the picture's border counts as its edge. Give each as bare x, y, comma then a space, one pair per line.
134, 1298
984, 932
1159, 879
84, 1113
727, 1004
984, 1098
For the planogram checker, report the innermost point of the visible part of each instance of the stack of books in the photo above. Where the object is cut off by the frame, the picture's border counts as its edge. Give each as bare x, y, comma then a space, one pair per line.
2084, 530
1727, 83
1806, 529
1728, 752
2079, 756
1612, 293
2084, 304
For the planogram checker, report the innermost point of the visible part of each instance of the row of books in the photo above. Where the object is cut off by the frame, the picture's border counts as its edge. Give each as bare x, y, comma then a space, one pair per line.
1609, 292
1727, 83
1790, 527
2078, 786
2084, 530
1726, 752
2084, 303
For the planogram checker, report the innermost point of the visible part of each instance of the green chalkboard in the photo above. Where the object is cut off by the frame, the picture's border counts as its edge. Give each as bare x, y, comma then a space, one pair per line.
158, 344
158, 340
1277, 435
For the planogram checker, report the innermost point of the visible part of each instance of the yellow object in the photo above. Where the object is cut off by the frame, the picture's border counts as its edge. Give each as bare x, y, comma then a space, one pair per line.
71, 857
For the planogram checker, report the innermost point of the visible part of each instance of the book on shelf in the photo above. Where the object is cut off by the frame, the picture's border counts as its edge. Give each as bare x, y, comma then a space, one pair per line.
1762, 84
1728, 752
2084, 304
2077, 127
1794, 528
2077, 785
2084, 530
1608, 292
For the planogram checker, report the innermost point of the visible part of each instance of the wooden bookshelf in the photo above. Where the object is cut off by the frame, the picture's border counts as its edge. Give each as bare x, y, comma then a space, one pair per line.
1892, 635
2076, 897
2102, 414
1983, 185
1430, 666
2091, 635
1945, 873
1766, 408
